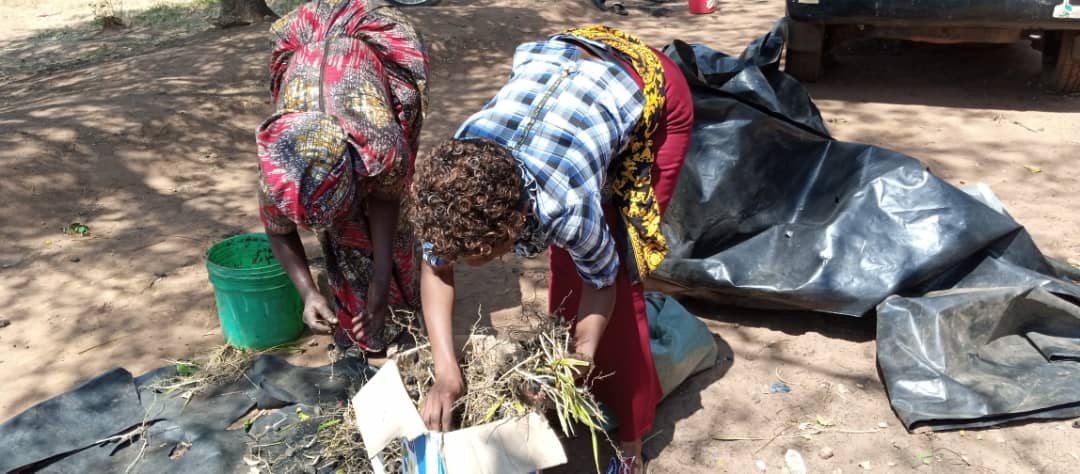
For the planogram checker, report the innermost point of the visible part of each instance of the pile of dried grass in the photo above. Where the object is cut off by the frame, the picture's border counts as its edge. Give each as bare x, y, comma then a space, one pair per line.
533, 371
327, 440
342, 449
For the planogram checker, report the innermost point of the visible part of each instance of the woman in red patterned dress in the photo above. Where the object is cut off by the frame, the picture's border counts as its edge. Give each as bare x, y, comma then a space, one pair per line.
348, 80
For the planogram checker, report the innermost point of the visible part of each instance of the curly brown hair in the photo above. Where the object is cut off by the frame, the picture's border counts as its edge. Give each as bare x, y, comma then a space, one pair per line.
465, 199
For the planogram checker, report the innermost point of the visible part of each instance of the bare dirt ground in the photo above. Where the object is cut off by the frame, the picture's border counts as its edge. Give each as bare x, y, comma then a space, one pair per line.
148, 141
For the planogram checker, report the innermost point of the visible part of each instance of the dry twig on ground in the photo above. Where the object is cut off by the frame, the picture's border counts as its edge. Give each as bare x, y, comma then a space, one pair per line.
342, 449
225, 364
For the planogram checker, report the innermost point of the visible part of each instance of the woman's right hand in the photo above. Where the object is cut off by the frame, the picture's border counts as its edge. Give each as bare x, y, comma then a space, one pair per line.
289, 250
317, 313
437, 407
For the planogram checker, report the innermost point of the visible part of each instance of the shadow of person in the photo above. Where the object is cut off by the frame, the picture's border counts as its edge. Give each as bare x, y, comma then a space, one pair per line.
685, 400
712, 306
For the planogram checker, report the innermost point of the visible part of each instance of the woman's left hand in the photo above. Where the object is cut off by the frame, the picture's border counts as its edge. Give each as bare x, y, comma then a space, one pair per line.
383, 215
370, 322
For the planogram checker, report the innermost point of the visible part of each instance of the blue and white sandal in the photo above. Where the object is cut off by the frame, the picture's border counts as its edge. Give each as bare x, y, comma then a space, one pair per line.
625, 465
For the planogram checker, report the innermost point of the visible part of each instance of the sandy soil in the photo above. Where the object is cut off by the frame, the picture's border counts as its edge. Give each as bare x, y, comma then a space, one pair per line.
155, 153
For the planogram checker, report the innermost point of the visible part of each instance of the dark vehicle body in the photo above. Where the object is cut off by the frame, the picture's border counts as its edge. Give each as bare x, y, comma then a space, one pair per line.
1051, 25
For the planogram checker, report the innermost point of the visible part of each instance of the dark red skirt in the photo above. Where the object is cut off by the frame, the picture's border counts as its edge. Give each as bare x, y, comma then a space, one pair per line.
630, 386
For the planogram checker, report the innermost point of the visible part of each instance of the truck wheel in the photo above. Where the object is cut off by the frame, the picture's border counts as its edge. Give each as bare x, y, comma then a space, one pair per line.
1061, 61
805, 51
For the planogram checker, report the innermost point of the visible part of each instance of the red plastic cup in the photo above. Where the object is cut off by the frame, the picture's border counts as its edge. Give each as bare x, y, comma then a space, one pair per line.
701, 7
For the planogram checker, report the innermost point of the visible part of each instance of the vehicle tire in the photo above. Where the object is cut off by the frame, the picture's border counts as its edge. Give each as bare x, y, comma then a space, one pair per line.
805, 51
1061, 61
414, 3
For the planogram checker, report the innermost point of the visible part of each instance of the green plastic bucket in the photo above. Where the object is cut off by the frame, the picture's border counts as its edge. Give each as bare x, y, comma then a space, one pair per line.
257, 303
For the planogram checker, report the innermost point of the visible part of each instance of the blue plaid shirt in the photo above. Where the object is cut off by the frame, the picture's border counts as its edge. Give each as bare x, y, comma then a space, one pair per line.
564, 118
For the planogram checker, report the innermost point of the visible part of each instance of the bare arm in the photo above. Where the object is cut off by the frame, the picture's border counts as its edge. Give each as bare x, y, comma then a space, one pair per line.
437, 297
289, 251
383, 219
594, 313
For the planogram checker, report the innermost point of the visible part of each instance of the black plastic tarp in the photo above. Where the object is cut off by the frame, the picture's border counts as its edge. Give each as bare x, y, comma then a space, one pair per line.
1002, 345
771, 212
116, 423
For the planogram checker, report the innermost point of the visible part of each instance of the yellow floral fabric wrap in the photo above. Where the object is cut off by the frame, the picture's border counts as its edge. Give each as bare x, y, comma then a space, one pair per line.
630, 179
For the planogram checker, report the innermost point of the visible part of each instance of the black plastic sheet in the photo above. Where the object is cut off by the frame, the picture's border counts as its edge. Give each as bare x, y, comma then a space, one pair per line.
1002, 345
771, 212
97, 409
84, 429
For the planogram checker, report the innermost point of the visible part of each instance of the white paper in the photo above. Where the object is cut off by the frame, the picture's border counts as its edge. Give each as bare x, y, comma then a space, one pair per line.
384, 413
518, 445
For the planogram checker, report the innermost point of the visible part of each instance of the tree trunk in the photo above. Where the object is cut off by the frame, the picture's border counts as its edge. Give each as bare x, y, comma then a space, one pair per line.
243, 12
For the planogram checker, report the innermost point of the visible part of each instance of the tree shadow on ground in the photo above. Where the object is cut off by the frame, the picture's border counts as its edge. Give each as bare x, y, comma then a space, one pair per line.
85, 42
155, 154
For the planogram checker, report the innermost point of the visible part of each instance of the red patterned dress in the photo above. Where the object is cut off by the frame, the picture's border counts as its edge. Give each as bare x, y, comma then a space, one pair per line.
348, 80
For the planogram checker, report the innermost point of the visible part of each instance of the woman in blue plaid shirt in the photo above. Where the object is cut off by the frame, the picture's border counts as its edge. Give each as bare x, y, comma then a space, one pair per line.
579, 152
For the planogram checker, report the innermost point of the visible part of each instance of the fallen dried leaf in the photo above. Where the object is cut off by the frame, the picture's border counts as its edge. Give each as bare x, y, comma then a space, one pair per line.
1033, 169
